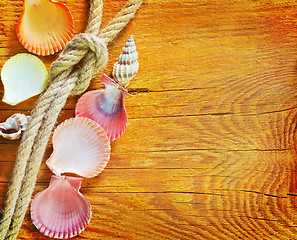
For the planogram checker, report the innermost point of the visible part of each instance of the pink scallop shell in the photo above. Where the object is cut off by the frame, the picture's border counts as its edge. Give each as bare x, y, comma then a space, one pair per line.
61, 211
80, 146
105, 107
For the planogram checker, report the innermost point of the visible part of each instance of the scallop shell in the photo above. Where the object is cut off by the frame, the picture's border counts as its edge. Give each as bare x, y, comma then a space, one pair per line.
45, 26
127, 66
80, 146
13, 127
23, 76
105, 107
61, 211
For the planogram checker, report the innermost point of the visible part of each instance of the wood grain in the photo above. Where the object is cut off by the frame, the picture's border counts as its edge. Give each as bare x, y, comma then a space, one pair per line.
210, 148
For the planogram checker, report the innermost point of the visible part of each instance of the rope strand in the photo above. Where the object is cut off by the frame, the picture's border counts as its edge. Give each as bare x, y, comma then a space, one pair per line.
64, 82
108, 33
95, 17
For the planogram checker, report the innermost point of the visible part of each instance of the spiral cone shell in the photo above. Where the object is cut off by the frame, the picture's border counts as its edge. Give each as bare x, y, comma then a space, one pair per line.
13, 127
127, 66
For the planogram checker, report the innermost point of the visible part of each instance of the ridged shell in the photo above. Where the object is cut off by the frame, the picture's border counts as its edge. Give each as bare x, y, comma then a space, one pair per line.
80, 146
127, 66
45, 26
13, 127
23, 76
61, 211
105, 107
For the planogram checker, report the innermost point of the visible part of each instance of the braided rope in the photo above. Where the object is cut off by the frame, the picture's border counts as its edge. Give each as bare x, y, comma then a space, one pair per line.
91, 52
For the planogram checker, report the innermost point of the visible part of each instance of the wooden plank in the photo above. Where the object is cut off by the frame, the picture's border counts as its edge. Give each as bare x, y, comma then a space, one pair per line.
209, 151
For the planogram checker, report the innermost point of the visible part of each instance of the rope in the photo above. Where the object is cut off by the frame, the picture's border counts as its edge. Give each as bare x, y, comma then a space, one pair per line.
89, 51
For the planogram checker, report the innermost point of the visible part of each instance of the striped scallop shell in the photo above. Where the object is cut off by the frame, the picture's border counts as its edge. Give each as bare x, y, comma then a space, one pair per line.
23, 76
13, 127
106, 107
45, 26
61, 211
81, 147
127, 66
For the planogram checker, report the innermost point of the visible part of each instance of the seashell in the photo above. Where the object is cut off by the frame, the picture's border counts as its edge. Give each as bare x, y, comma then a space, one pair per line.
45, 26
105, 107
127, 66
61, 211
13, 127
80, 146
23, 76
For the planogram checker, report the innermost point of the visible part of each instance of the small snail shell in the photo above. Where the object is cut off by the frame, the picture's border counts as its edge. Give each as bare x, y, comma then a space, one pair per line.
12, 128
127, 66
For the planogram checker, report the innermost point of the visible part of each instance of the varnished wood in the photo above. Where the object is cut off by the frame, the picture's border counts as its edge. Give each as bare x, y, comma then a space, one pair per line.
209, 152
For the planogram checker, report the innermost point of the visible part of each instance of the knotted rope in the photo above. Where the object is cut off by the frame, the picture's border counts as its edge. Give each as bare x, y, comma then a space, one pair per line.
89, 50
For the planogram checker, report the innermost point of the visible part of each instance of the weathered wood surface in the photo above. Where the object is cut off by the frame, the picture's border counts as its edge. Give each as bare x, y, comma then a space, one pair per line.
209, 152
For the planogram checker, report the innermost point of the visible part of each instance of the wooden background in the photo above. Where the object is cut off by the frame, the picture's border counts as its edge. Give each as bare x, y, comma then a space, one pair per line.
209, 152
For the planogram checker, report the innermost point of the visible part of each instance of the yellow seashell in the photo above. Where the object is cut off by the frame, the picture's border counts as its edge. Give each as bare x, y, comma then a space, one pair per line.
45, 26
23, 76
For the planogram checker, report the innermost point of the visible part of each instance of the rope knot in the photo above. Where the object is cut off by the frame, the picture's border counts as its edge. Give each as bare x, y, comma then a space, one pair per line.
71, 73
85, 51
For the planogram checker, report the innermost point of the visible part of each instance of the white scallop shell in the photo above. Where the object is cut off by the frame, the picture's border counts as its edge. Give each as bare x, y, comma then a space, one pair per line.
61, 211
13, 127
80, 146
23, 76
127, 66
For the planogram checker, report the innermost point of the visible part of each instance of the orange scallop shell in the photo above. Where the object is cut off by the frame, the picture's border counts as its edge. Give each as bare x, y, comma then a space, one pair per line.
45, 26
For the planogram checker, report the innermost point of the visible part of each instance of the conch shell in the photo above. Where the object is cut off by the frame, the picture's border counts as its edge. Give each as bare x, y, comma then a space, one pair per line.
13, 127
127, 66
